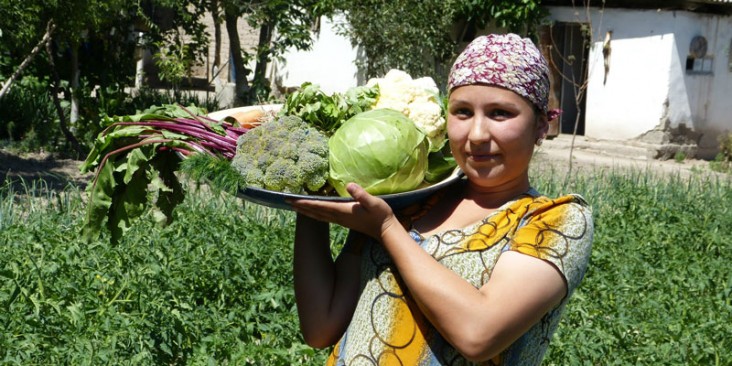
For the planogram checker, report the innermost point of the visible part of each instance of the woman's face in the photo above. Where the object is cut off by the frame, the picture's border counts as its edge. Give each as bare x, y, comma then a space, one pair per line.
492, 133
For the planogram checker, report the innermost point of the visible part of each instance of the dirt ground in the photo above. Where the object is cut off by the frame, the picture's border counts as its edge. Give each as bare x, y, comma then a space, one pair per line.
56, 172
587, 156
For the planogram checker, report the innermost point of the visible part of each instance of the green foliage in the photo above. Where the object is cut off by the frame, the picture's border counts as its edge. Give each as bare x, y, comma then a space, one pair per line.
723, 161
658, 287
408, 35
174, 62
22, 18
327, 112
516, 16
28, 116
215, 287
293, 20
679, 156
421, 36
214, 171
135, 160
176, 35
29, 122
82, 26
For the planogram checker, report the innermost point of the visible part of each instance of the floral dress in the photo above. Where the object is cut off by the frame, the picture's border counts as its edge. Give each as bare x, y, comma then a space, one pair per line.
387, 327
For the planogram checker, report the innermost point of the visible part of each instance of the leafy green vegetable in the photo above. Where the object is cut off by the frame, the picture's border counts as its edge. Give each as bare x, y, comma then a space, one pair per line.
136, 158
327, 112
439, 166
216, 171
381, 150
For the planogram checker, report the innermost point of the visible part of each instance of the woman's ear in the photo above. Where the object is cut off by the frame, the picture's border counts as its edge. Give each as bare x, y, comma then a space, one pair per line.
542, 126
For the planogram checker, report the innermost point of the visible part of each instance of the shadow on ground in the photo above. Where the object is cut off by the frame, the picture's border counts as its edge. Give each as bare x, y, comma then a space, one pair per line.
39, 169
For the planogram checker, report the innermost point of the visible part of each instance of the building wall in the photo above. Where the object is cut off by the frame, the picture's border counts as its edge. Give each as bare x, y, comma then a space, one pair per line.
331, 63
649, 95
248, 37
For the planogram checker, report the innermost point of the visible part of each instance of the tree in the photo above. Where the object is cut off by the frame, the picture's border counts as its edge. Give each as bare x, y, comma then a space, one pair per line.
76, 22
423, 36
174, 32
282, 24
34, 52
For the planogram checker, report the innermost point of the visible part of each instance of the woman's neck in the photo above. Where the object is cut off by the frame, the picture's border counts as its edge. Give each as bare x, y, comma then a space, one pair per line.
493, 197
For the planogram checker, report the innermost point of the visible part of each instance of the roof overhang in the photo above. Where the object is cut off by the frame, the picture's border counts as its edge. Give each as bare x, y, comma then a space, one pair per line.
697, 6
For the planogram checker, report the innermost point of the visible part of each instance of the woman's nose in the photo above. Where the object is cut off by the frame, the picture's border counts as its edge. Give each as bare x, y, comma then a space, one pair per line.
479, 130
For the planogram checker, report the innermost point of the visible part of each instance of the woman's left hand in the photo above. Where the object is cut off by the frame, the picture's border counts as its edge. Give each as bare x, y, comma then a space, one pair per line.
368, 214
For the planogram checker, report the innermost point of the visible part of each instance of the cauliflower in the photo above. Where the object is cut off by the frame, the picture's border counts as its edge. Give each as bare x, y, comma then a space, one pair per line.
427, 115
284, 154
417, 99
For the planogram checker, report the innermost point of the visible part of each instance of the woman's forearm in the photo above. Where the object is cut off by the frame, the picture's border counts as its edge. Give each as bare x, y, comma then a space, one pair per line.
479, 323
325, 290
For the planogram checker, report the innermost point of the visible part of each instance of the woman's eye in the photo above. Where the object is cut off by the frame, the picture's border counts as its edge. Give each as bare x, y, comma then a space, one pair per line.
500, 114
462, 112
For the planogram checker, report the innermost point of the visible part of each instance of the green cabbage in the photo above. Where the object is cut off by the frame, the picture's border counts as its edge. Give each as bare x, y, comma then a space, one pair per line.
381, 150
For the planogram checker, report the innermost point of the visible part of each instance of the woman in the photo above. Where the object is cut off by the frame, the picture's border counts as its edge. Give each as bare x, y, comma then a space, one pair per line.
483, 270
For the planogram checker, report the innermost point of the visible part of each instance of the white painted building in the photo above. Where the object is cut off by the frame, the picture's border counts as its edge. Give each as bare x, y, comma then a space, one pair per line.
659, 92
652, 73
668, 82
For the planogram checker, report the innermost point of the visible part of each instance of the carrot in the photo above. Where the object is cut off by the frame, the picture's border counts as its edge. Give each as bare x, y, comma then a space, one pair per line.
248, 119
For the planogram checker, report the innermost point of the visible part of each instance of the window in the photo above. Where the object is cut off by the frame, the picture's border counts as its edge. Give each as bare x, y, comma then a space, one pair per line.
697, 62
729, 56
702, 65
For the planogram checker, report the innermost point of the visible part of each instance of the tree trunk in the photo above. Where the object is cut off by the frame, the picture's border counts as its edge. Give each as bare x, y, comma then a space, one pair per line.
74, 114
241, 90
57, 103
217, 33
265, 37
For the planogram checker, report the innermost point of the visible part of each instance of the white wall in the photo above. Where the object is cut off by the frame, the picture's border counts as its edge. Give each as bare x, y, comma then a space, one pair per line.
711, 95
648, 84
330, 63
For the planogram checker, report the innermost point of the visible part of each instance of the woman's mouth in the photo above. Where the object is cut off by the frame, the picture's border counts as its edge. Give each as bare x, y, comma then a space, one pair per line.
479, 157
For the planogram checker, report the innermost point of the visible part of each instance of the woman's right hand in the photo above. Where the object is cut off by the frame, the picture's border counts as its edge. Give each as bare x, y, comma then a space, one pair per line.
367, 214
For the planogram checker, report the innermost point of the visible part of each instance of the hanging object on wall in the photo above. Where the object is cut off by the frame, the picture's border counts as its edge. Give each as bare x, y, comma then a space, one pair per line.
698, 47
606, 53
698, 62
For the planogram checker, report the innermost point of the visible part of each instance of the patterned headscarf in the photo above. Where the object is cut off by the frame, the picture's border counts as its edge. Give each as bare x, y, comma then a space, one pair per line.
507, 61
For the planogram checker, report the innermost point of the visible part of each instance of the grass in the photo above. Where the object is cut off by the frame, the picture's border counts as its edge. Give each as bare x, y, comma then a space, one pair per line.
215, 287
658, 287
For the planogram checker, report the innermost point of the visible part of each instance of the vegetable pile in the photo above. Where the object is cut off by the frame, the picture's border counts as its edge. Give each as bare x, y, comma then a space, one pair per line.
388, 136
135, 158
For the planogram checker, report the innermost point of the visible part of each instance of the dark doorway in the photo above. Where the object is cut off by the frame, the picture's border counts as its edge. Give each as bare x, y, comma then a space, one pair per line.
566, 47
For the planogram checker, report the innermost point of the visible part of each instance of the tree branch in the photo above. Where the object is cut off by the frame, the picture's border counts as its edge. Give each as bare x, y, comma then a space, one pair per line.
46, 38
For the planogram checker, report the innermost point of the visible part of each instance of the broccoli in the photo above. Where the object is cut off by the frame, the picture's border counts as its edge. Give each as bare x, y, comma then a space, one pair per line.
284, 154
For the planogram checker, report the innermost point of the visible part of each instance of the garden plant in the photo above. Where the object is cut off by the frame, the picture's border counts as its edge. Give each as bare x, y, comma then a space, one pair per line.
215, 287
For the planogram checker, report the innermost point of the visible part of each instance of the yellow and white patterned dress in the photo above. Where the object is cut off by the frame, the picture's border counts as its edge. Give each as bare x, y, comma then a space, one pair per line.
387, 327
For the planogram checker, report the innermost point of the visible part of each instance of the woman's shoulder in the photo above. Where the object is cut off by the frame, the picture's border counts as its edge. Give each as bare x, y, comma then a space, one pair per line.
559, 230
535, 202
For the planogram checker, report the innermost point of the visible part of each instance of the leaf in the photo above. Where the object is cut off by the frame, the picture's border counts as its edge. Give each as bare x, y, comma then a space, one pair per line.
136, 159
100, 199
439, 166
128, 202
170, 191
110, 141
